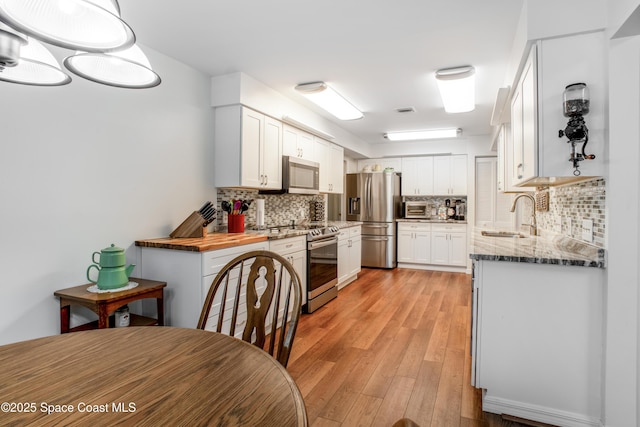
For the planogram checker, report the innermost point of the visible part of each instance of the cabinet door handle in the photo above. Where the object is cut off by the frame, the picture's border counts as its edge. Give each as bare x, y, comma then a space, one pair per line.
520, 166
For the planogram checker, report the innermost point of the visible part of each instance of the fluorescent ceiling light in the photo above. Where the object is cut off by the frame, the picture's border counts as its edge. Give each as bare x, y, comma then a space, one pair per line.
87, 25
128, 68
422, 134
36, 66
457, 88
330, 100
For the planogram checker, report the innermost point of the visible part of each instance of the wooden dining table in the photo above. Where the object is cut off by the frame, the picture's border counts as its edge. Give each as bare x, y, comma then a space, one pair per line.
145, 376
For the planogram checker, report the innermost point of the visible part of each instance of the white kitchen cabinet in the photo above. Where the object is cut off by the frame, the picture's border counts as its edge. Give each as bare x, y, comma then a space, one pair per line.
539, 325
349, 255
540, 157
248, 149
417, 176
382, 163
294, 250
188, 275
504, 177
449, 244
331, 159
298, 143
414, 242
450, 175
492, 208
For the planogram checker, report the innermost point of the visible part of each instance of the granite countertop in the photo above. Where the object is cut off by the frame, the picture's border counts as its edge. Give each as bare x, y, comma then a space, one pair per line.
546, 249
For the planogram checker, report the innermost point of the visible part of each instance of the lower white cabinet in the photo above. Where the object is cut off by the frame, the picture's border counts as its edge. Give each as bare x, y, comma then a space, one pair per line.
432, 245
414, 242
538, 340
349, 255
449, 244
188, 275
294, 250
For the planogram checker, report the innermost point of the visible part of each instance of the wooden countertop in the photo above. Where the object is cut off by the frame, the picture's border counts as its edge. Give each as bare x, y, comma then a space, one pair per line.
210, 242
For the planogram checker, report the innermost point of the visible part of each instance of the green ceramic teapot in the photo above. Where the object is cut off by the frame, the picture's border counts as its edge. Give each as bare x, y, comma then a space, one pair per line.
112, 273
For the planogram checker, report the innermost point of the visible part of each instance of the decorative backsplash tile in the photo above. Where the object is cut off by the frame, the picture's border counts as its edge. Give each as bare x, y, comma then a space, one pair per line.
570, 204
279, 209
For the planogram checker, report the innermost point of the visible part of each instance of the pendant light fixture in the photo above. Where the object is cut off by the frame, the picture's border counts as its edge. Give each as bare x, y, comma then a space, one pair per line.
457, 88
36, 67
328, 99
87, 25
105, 45
128, 68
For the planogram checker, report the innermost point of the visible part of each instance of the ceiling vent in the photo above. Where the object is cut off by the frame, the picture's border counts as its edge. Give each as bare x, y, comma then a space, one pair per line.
406, 110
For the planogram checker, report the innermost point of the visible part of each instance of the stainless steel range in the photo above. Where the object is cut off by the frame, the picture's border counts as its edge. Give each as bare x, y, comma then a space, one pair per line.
322, 266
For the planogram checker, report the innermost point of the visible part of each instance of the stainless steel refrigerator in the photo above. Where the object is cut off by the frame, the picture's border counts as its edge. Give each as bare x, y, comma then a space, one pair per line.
374, 199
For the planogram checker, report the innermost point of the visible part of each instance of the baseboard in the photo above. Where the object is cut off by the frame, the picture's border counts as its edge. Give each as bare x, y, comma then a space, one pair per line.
347, 281
542, 414
433, 267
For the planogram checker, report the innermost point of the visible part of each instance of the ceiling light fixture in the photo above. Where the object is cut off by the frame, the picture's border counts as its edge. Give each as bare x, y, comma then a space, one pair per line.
36, 67
128, 68
457, 88
327, 98
414, 135
87, 25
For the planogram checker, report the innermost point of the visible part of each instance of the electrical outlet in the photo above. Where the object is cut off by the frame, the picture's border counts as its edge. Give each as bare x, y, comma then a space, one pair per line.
587, 230
569, 226
558, 224
301, 214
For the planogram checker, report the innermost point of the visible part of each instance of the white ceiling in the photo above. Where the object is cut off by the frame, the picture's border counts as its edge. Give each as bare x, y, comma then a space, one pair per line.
379, 54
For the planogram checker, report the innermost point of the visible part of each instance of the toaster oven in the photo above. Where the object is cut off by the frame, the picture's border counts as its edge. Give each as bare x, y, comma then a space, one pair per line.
416, 210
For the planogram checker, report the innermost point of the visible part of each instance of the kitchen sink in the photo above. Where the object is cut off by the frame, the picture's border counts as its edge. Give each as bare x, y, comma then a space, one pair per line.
512, 234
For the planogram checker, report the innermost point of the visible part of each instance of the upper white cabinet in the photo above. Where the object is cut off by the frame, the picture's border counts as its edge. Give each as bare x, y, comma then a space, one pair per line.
417, 176
298, 143
331, 159
540, 156
248, 149
450, 175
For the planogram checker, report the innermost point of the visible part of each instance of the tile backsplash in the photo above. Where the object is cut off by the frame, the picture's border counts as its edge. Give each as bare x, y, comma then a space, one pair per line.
570, 204
279, 209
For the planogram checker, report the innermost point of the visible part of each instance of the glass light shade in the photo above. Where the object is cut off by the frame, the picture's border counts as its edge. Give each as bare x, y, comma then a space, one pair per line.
87, 25
128, 68
36, 66
330, 100
457, 89
422, 134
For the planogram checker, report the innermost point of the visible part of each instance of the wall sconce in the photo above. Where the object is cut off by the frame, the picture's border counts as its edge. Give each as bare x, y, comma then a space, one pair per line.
575, 106
105, 43
457, 88
328, 99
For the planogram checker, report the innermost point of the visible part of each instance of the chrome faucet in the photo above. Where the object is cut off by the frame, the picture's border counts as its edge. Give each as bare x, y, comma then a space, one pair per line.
533, 226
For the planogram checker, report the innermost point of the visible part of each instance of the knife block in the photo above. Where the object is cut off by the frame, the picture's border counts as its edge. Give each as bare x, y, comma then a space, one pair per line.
191, 227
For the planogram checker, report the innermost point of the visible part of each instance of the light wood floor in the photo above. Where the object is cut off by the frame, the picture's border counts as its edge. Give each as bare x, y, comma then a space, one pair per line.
394, 344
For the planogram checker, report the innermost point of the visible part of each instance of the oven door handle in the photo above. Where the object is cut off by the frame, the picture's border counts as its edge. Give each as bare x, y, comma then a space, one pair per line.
322, 243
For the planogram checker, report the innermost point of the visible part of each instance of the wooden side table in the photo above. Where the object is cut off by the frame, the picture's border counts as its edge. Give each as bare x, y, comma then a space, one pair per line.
104, 304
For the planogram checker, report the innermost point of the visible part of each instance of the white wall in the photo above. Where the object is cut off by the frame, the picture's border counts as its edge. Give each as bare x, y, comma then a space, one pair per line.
86, 165
622, 368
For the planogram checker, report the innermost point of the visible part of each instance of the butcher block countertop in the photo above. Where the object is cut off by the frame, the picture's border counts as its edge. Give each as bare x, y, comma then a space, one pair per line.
211, 242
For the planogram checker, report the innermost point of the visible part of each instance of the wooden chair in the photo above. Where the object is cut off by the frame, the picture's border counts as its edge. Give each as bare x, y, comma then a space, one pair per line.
405, 422
257, 297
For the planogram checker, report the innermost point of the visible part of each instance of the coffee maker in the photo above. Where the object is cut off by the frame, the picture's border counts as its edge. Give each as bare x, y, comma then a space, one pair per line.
461, 210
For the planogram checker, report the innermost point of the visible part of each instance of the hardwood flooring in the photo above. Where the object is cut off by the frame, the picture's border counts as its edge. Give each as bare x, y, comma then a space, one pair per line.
394, 344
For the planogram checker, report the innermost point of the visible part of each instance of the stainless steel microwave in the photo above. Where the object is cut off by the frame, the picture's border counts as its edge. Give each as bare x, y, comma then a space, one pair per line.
299, 176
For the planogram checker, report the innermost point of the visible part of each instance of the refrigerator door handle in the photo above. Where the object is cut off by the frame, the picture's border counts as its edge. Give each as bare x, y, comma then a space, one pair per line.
376, 239
376, 226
